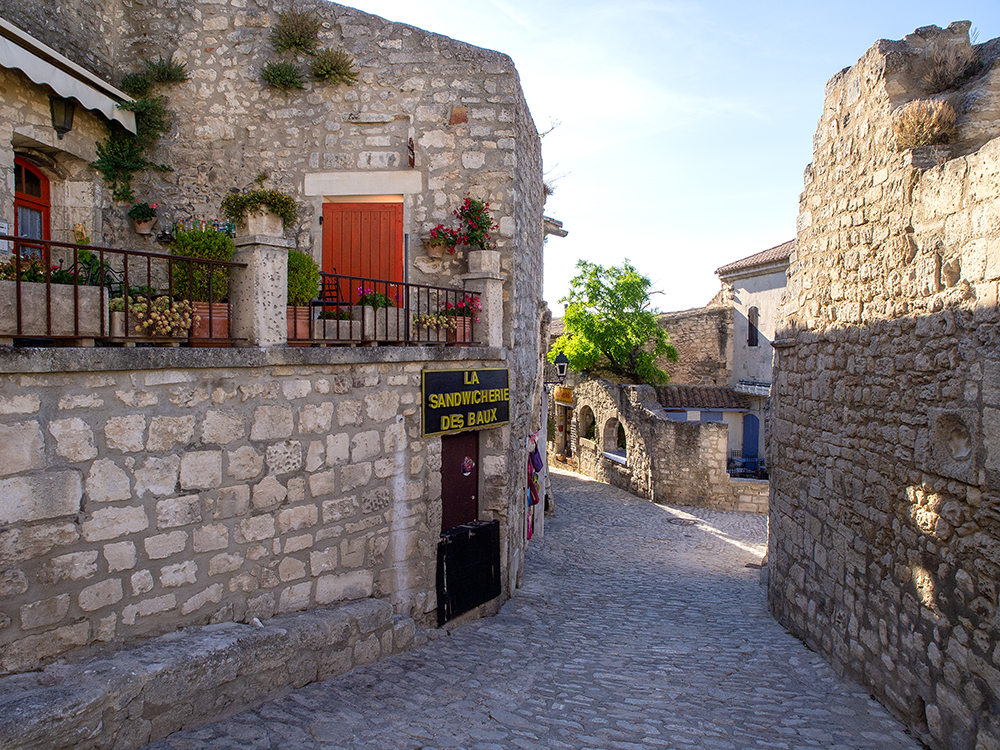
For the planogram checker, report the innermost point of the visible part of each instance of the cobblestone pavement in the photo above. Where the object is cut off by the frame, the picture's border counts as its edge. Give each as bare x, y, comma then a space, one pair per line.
639, 626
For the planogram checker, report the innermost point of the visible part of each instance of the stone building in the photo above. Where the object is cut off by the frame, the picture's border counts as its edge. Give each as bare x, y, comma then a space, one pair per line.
884, 549
146, 490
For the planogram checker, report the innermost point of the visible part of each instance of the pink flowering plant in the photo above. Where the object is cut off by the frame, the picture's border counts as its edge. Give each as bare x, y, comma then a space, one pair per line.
374, 299
445, 237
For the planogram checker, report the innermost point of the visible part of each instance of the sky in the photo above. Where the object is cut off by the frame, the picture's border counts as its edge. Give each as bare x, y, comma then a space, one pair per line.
681, 128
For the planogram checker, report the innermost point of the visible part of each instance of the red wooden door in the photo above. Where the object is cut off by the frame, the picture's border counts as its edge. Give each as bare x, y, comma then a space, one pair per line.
363, 239
459, 479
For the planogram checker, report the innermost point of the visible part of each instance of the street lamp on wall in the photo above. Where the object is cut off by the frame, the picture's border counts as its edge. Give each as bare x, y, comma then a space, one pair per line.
562, 368
62, 114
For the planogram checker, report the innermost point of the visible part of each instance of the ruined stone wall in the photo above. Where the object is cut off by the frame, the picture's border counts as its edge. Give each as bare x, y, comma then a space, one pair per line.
885, 510
85, 31
161, 489
704, 341
677, 463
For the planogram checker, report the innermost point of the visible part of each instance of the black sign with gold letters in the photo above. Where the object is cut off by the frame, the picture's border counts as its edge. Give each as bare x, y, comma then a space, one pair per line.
461, 400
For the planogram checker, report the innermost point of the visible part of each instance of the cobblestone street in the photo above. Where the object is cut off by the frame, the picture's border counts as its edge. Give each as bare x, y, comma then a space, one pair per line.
639, 626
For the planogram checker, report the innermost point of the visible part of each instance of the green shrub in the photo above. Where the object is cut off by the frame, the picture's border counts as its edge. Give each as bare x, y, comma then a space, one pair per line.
282, 75
333, 66
296, 31
166, 71
923, 122
303, 278
191, 280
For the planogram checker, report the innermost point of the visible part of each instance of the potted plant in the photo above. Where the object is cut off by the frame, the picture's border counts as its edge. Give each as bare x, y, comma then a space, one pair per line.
455, 319
379, 316
143, 216
260, 211
439, 239
152, 318
205, 285
53, 309
336, 324
303, 286
474, 214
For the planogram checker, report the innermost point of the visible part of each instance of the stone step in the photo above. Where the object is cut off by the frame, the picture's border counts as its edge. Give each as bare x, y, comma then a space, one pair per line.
184, 679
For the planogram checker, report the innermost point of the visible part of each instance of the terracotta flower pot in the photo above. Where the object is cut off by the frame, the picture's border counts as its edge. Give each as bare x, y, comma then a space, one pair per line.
145, 226
219, 323
298, 325
461, 335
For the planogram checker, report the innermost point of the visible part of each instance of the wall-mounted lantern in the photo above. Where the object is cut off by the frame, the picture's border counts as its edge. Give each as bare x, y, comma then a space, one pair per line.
62, 114
562, 366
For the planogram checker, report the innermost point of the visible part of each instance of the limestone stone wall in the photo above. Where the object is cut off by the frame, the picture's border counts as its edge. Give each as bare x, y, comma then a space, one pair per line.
885, 510
681, 463
151, 490
703, 339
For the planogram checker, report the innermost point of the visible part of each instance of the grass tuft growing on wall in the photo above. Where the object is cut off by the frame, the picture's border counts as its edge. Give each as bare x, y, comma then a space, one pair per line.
923, 122
333, 66
282, 75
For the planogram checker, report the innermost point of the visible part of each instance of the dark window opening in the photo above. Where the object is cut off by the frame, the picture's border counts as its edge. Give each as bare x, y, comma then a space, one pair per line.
753, 319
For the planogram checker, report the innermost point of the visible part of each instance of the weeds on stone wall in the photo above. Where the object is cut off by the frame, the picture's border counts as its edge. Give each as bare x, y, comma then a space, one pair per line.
923, 122
298, 33
948, 67
121, 154
283, 76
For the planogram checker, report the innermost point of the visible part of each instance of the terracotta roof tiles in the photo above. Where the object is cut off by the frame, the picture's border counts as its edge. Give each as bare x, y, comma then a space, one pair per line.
773, 255
718, 398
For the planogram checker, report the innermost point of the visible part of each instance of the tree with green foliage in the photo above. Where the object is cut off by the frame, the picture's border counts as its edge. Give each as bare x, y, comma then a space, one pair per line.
611, 325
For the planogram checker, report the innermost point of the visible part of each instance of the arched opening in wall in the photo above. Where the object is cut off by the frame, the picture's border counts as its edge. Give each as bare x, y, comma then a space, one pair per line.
588, 425
613, 443
31, 204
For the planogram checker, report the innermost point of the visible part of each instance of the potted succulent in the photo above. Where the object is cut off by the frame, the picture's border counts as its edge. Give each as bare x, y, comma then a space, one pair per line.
205, 285
303, 286
143, 216
152, 318
260, 211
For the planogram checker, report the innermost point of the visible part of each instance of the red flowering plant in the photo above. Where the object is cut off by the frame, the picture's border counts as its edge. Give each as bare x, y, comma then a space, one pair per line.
445, 237
476, 223
467, 307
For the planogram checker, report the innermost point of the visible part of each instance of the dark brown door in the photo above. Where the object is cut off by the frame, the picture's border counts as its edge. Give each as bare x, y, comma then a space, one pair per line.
459, 479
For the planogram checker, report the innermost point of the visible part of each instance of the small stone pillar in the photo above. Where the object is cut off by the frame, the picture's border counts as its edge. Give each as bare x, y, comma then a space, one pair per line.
484, 277
259, 295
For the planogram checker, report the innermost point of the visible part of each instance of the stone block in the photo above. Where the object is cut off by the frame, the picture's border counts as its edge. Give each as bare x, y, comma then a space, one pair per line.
101, 594
142, 582
74, 439
158, 476
294, 389
22, 448
201, 470
107, 482
27, 404
355, 585
382, 405
224, 563
284, 457
28, 652
169, 433
120, 556
178, 511
295, 519
376, 500
295, 598
255, 529
291, 569
179, 574
109, 523
339, 509
148, 607
365, 445
244, 463
232, 501
41, 496
223, 427
211, 595
297, 543
125, 433
210, 538
43, 613
316, 418
355, 475
35, 541
367, 650
75, 566
337, 449
164, 545
349, 413
268, 494
316, 456
271, 423
322, 484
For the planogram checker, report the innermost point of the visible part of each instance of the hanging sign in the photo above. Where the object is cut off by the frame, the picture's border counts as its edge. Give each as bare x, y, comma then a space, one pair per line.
463, 400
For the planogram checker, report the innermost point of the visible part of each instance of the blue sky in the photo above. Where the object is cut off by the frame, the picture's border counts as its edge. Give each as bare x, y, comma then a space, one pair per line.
684, 127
